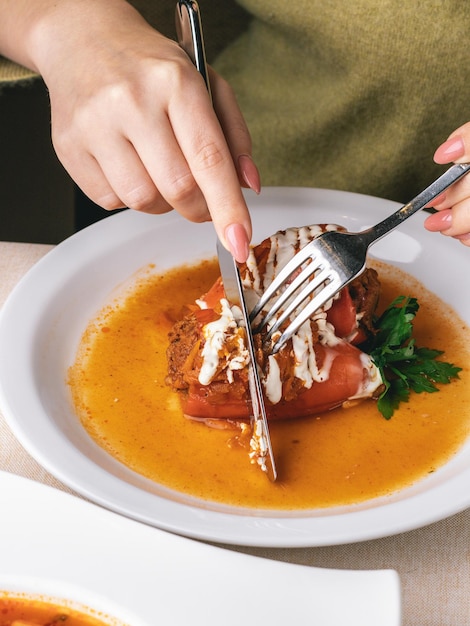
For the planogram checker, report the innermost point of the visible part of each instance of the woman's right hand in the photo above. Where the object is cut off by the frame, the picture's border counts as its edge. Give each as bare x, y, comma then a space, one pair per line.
132, 121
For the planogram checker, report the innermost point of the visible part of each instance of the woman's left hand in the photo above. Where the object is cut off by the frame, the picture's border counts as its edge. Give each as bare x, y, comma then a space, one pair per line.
453, 206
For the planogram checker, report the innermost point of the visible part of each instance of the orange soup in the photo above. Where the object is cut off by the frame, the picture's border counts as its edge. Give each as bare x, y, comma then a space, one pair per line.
337, 458
22, 610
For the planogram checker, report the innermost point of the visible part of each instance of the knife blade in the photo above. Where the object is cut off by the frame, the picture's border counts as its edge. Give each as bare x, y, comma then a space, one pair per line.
261, 440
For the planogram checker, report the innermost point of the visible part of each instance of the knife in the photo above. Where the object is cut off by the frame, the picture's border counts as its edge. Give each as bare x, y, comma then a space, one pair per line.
190, 39
261, 441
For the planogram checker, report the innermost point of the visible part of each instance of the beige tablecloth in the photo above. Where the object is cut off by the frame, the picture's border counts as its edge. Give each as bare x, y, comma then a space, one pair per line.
433, 562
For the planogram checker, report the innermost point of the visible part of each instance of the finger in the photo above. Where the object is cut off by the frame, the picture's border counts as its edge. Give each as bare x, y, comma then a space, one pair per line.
236, 131
89, 176
454, 222
464, 239
209, 158
455, 194
439, 202
162, 158
437, 222
114, 177
82, 167
460, 219
128, 177
190, 164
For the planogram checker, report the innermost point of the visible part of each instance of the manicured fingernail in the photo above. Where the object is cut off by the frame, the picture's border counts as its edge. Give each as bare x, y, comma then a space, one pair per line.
438, 200
450, 150
249, 172
237, 241
442, 220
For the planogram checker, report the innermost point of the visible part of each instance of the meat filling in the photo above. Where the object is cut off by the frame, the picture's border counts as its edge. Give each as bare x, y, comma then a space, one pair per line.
319, 369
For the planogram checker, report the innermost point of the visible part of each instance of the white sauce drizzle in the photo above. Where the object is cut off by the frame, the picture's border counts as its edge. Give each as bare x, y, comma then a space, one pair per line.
272, 382
213, 352
284, 246
372, 380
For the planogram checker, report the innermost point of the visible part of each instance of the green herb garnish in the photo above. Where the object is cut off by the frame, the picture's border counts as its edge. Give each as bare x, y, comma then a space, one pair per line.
403, 366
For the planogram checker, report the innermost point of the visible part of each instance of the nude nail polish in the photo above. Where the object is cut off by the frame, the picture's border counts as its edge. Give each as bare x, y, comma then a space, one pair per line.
450, 150
237, 241
249, 172
442, 220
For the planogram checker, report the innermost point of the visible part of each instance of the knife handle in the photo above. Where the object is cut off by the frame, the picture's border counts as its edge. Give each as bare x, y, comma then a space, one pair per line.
190, 36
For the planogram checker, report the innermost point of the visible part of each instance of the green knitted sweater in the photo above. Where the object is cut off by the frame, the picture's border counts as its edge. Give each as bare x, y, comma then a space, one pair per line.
351, 95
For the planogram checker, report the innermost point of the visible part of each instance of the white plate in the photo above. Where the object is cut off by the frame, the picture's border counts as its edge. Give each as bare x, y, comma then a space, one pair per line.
59, 546
43, 320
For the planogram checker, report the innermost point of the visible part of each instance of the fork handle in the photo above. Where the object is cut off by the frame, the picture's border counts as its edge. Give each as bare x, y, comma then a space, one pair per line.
451, 176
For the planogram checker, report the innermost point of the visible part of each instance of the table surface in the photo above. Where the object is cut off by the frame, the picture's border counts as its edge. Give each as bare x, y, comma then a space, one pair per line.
433, 562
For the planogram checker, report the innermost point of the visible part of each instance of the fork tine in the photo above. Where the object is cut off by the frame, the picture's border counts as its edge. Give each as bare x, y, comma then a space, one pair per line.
316, 303
303, 294
300, 257
288, 293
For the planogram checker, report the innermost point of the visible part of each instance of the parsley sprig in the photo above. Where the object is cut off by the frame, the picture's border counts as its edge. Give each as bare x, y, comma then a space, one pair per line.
403, 366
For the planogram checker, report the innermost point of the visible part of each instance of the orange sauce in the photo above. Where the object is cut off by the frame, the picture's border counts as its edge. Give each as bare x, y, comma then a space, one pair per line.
29, 611
339, 458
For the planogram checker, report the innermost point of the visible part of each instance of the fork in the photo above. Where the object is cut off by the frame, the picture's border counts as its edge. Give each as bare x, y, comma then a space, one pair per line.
329, 262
